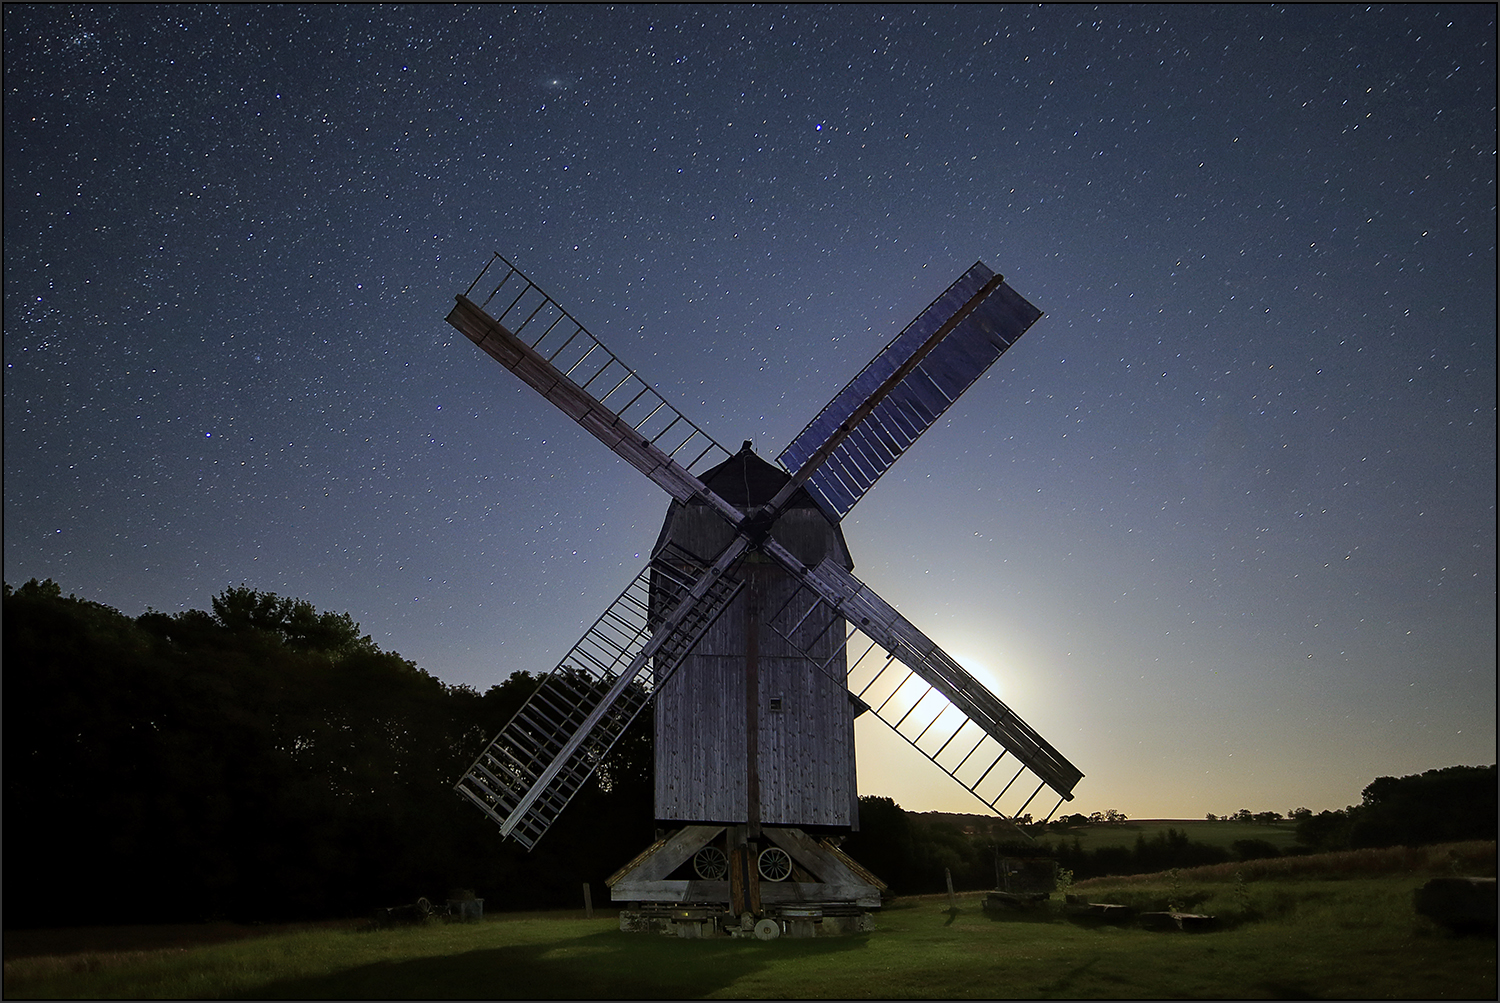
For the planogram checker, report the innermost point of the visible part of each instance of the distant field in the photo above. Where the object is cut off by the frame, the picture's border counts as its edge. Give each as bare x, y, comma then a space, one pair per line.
1282, 835
1339, 926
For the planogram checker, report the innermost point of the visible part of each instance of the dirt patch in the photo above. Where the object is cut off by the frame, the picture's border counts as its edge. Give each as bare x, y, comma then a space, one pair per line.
64, 941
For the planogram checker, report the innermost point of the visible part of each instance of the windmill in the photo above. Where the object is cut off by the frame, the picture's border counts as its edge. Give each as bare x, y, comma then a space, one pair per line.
750, 631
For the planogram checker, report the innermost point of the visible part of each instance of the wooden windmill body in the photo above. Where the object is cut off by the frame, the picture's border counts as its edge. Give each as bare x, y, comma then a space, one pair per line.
750, 632
747, 731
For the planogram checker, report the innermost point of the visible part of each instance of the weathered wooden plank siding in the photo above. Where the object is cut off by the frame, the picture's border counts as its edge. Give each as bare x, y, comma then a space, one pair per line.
805, 747
805, 731
700, 739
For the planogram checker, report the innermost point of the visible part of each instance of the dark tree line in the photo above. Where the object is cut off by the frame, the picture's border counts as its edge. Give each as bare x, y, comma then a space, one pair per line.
911, 853
1439, 806
263, 762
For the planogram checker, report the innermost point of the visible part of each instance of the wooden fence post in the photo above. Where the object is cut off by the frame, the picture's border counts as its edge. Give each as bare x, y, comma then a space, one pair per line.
588, 900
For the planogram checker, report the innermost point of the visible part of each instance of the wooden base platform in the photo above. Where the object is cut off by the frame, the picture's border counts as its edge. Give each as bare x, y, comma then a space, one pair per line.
706, 880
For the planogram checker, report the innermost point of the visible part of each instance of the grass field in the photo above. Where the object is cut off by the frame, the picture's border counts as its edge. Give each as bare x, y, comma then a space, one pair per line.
1282, 835
1339, 926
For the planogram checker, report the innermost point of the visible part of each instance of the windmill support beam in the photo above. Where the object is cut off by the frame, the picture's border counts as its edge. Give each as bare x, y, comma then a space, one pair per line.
666, 855
827, 893
772, 893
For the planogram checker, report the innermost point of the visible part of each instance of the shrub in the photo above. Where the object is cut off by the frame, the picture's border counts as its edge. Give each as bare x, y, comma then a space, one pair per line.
1254, 849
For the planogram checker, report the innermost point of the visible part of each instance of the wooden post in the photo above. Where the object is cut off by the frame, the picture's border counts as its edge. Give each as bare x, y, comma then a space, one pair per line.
734, 843
752, 701
744, 876
588, 901
752, 882
952, 901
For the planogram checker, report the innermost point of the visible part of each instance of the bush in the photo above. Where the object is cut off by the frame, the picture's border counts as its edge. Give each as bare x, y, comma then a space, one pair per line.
1254, 849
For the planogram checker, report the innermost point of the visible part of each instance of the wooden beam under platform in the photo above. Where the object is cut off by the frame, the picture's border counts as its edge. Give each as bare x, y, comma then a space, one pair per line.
839, 878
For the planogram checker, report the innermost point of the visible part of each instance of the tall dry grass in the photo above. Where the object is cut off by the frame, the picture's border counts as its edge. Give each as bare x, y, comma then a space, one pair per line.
1474, 857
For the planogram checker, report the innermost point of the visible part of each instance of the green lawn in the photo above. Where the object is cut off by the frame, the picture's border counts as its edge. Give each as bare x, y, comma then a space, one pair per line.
1284, 934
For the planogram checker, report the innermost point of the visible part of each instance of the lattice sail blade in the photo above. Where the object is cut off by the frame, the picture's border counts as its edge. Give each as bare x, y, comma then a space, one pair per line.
548, 750
918, 689
526, 331
907, 387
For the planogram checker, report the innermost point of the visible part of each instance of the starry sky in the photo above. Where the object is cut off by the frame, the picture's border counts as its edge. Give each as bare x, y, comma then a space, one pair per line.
1221, 526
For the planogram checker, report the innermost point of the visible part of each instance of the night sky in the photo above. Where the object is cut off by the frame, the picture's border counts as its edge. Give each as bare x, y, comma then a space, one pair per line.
1221, 526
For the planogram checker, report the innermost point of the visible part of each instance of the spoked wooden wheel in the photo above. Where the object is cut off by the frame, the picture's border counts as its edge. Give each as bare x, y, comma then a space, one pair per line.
710, 864
775, 864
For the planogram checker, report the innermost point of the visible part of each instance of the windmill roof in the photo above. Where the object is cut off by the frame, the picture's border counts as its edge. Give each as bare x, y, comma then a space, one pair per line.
745, 479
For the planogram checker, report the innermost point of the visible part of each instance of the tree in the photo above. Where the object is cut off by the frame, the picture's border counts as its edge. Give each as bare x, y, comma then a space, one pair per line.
886, 844
1443, 805
294, 621
34, 589
1325, 831
262, 762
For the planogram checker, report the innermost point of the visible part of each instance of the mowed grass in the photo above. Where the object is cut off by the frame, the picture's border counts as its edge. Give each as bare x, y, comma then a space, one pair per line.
1347, 932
